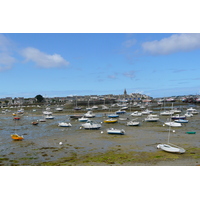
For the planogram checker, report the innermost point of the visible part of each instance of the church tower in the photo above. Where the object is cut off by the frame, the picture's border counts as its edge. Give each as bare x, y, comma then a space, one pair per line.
125, 93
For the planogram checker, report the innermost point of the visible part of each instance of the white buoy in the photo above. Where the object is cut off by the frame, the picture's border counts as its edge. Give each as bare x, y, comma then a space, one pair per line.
101, 132
60, 143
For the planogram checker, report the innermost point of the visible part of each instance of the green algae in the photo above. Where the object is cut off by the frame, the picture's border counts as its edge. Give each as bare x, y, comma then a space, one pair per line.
115, 158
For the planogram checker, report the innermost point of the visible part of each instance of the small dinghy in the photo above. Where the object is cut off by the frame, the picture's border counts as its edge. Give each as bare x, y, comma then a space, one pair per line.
191, 132
35, 123
17, 137
181, 121
132, 123
113, 115
173, 124
110, 120
83, 119
136, 114
64, 124
171, 148
116, 131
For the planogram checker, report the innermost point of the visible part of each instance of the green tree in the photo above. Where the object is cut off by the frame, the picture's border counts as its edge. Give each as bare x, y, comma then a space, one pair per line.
39, 98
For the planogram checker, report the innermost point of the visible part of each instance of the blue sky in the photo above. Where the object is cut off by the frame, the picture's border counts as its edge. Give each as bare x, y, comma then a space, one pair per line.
62, 64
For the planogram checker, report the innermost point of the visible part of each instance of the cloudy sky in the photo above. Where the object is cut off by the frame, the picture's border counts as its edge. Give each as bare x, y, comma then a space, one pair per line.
61, 64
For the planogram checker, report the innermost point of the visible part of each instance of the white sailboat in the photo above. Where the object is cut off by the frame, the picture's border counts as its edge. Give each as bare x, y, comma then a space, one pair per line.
169, 147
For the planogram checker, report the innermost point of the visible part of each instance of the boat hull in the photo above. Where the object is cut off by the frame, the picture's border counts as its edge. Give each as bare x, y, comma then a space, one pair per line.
171, 149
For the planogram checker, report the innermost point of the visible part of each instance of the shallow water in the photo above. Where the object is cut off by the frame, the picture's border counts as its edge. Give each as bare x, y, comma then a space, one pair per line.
41, 142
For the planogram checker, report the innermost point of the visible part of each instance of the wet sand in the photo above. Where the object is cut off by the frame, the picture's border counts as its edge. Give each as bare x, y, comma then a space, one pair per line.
80, 147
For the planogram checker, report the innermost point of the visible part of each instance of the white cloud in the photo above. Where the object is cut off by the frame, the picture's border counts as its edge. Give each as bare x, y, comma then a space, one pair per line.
112, 77
130, 74
42, 59
175, 43
6, 60
4, 43
129, 43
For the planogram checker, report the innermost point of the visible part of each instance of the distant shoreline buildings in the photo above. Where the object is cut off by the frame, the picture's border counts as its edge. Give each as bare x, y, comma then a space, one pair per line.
9, 101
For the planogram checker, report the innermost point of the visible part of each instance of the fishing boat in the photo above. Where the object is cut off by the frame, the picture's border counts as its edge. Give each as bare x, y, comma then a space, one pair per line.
91, 125
181, 120
83, 119
115, 131
64, 124
110, 120
17, 137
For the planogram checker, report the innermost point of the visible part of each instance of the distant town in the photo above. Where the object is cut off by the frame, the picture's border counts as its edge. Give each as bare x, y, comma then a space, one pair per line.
133, 97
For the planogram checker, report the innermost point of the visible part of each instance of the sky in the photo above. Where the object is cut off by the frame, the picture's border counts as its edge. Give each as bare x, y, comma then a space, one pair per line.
62, 64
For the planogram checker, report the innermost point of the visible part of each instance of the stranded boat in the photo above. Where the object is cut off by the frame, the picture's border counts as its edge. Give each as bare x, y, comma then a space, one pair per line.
116, 131
64, 124
91, 125
17, 137
110, 120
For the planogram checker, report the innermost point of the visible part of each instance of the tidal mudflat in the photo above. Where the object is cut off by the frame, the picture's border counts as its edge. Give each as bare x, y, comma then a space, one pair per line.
41, 145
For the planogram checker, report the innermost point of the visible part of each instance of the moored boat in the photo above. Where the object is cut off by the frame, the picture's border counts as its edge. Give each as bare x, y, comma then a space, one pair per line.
110, 120
83, 119
173, 124
136, 114
91, 125
191, 132
151, 119
177, 116
120, 112
113, 115
17, 137
132, 123
115, 131
181, 120
35, 123
171, 148
75, 116
89, 114
64, 124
